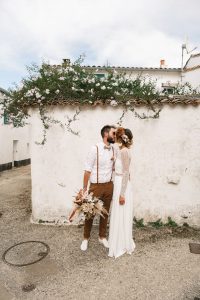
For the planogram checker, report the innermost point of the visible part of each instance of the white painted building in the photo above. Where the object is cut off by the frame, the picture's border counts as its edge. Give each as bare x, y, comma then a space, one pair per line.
165, 169
165, 78
192, 70
14, 143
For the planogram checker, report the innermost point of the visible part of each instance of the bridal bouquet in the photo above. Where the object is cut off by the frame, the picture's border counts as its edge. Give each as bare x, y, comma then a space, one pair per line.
87, 204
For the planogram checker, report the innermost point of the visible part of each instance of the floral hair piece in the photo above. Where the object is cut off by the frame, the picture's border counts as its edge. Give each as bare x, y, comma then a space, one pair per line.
125, 138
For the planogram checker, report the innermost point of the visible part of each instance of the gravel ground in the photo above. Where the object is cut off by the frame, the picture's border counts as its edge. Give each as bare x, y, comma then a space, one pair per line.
161, 267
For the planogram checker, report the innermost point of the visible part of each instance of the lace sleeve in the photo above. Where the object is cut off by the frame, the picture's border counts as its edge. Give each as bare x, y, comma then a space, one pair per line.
125, 169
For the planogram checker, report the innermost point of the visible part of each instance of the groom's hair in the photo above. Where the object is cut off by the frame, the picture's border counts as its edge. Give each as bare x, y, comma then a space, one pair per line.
105, 129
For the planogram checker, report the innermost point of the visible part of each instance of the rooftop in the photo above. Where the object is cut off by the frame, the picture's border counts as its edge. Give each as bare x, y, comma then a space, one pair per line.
133, 68
162, 68
192, 63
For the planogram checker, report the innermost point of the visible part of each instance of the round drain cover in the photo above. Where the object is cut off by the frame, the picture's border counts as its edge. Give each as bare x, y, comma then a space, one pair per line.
25, 253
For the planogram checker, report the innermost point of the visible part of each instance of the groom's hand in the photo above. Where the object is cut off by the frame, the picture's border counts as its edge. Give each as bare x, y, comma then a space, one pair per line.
84, 189
121, 200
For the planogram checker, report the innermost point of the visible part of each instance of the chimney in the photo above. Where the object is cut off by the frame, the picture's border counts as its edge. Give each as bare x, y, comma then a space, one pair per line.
66, 61
162, 64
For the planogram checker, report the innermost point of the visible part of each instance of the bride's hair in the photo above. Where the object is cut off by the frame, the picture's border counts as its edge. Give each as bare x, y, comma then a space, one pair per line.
124, 136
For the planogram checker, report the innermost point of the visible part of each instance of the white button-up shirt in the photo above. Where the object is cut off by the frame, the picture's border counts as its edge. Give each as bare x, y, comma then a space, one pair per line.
105, 165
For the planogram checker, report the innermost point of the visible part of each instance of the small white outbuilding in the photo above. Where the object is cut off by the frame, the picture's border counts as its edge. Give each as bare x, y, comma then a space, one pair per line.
14, 142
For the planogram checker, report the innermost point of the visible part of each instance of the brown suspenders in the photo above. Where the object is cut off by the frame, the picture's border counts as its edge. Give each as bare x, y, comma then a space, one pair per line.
98, 163
113, 162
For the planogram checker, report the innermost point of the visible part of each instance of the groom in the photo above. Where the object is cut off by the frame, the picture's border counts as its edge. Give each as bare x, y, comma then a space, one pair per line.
98, 170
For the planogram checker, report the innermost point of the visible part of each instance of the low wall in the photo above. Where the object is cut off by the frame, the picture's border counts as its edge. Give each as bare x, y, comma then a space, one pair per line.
165, 168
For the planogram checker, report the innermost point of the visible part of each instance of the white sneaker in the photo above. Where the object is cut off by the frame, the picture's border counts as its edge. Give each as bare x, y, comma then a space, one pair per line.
84, 245
104, 242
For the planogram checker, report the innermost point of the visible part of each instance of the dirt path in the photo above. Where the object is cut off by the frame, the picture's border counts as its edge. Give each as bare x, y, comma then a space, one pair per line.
161, 267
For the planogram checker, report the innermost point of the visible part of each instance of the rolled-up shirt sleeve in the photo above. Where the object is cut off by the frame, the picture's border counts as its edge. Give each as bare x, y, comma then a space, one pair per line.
90, 159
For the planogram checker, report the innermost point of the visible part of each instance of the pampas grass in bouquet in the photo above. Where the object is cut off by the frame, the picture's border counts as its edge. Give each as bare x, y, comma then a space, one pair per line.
87, 204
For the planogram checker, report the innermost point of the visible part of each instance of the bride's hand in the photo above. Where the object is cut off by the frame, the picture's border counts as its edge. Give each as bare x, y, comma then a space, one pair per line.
121, 200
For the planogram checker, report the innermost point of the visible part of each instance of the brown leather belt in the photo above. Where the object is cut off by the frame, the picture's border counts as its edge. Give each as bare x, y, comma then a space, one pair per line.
101, 183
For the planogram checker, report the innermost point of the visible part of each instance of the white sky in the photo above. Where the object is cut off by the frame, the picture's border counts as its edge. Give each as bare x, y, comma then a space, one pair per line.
118, 32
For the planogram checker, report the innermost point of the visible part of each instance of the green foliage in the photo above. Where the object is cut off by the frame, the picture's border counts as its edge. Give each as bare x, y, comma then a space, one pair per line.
41, 221
139, 222
72, 82
47, 83
185, 89
156, 224
171, 223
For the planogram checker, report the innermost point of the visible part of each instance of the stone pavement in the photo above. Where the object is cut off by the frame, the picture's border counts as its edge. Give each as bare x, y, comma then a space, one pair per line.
161, 267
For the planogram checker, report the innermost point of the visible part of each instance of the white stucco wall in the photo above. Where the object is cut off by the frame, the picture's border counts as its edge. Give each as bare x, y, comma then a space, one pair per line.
165, 162
193, 77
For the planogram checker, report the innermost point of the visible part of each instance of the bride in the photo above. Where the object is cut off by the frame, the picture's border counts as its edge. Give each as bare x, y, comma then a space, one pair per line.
121, 216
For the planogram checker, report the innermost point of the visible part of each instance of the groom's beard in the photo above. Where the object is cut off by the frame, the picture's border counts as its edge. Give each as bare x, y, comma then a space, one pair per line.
111, 140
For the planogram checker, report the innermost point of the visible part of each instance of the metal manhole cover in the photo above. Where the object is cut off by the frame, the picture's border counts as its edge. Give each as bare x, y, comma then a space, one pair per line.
25, 253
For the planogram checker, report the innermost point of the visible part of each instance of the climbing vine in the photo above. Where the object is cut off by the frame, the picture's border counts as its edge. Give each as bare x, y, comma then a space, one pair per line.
48, 121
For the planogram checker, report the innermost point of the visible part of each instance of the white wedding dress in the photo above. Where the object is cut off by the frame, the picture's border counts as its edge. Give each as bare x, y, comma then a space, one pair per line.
121, 216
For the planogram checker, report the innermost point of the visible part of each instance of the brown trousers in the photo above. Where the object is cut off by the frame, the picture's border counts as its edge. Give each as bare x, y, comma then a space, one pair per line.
103, 191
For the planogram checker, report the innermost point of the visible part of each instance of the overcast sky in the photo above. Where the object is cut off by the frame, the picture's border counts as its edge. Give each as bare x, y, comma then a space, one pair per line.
117, 32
